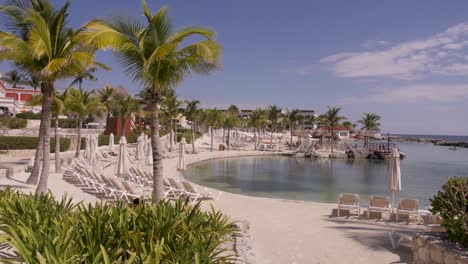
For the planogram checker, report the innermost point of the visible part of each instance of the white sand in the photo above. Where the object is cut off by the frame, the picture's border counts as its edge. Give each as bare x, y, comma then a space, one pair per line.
283, 231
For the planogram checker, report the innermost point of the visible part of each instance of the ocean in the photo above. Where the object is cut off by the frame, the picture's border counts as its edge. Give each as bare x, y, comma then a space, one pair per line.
441, 137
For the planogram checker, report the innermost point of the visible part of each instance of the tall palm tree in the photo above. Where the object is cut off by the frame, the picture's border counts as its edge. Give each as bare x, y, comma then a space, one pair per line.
274, 114
230, 121
14, 78
41, 43
87, 74
106, 95
331, 119
234, 111
34, 81
369, 122
257, 119
57, 108
156, 56
123, 107
191, 113
170, 106
214, 119
82, 104
292, 118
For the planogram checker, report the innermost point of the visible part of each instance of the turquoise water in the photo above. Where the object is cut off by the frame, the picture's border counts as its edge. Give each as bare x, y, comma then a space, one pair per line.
424, 171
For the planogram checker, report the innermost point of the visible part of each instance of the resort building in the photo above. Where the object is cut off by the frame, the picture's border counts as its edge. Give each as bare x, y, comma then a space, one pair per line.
341, 132
14, 100
308, 115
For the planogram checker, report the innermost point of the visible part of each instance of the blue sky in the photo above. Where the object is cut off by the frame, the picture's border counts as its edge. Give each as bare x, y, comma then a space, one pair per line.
403, 60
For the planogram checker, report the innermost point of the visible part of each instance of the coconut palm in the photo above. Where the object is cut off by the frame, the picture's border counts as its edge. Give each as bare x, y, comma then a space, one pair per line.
234, 111
214, 119
230, 121
87, 74
14, 78
41, 43
154, 55
106, 95
123, 107
274, 114
191, 113
331, 119
82, 104
34, 81
369, 122
257, 120
170, 106
292, 119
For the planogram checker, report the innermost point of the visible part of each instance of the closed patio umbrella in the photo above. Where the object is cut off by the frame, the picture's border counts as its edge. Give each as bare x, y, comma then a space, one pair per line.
139, 150
149, 156
394, 174
122, 165
87, 151
181, 161
111, 142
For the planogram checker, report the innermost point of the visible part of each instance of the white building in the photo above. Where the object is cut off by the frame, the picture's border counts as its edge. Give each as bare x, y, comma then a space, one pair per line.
13, 100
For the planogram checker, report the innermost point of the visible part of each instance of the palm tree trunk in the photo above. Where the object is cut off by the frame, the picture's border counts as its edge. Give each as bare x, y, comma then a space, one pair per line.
46, 111
332, 138
175, 135
158, 188
271, 135
291, 140
171, 139
78, 145
224, 131
193, 139
34, 176
58, 168
228, 139
255, 139
211, 128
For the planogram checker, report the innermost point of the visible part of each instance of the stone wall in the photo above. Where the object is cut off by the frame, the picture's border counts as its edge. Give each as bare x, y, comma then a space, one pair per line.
434, 248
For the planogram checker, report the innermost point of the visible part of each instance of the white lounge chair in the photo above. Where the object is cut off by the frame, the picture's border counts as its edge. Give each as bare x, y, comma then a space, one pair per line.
349, 202
379, 204
408, 207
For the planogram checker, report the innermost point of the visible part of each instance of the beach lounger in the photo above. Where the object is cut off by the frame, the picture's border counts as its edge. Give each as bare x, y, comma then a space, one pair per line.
191, 190
349, 202
408, 207
379, 204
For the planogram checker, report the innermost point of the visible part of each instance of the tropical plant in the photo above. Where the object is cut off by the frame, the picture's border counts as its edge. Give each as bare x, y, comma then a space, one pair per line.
292, 118
41, 43
87, 74
155, 56
349, 125
34, 81
123, 107
369, 122
274, 114
257, 120
170, 106
57, 108
14, 78
106, 95
35, 100
452, 205
230, 121
82, 104
40, 229
330, 120
214, 119
191, 113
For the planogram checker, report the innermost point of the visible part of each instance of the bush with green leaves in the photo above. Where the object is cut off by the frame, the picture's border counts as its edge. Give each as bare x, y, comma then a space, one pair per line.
13, 122
29, 115
8, 143
452, 205
43, 230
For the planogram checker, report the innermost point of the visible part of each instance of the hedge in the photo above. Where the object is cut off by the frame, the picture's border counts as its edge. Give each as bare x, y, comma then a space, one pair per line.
13, 122
29, 115
30, 143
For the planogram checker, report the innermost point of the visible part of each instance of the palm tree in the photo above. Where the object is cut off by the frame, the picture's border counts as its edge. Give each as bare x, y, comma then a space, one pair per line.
349, 125
230, 121
35, 100
331, 119
191, 113
369, 122
57, 108
34, 81
41, 43
274, 113
86, 74
82, 104
170, 106
257, 119
106, 95
214, 119
234, 111
123, 107
14, 78
154, 56
292, 118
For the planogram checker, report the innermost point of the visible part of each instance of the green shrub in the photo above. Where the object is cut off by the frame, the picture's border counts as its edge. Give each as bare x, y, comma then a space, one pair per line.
29, 115
103, 140
452, 205
42, 230
12, 122
187, 133
7, 142
67, 123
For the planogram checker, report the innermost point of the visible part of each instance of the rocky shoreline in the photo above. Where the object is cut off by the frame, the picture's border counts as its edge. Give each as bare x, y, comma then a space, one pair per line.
439, 142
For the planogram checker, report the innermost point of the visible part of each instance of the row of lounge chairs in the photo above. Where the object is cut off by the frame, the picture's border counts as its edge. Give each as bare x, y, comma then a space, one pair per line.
379, 204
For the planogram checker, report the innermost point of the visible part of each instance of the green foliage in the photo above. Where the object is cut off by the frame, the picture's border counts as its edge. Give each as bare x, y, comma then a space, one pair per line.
42, 230
452, 205
12, 122
103, 140
7, 142
187, 133
29, 115
67, 123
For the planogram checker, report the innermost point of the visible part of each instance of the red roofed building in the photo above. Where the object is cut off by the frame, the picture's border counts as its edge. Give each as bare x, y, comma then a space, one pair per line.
341, 132
13, 100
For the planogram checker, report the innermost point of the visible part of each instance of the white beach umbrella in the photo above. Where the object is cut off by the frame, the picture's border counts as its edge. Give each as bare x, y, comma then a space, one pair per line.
111, 142
149, 155
93, 151
122, 167
394, 174
181, 161
87, 147
139, 148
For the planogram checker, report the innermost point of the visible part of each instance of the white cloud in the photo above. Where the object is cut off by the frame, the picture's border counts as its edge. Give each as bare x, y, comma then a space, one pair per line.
436, 93
439, 54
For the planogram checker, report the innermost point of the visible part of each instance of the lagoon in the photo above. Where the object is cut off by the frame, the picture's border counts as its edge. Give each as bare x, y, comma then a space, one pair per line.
424, 171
